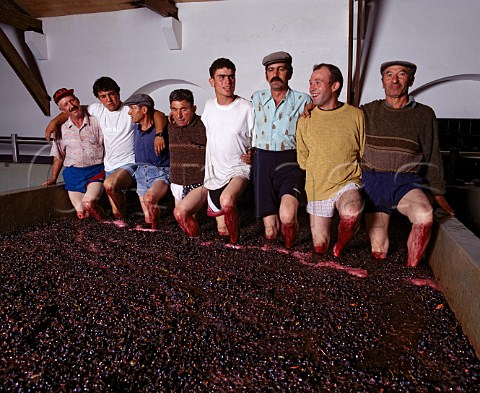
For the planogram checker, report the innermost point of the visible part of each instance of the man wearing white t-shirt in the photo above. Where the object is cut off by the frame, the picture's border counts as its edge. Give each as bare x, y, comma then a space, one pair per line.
117, 128
229, 121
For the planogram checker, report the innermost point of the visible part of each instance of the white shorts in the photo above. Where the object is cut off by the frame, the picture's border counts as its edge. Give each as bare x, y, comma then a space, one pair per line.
177, 191
326, 207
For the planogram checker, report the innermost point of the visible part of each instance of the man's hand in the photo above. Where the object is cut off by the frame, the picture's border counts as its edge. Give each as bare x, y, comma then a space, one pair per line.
159, 144
49, 182
442, 202
307, 110
52, 130
247, 158
55, 125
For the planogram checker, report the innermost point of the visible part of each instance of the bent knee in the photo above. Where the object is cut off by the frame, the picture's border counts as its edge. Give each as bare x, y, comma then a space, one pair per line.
179, 212
226, 201
352, 206
288, 215
422, 214
354, 209
87, 204
148, 199
109, 185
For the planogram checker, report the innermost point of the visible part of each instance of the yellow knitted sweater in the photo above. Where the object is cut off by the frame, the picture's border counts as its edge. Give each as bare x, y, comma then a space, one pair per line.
330, 145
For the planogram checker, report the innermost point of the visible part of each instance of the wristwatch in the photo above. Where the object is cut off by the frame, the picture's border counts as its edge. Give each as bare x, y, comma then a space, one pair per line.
159, 134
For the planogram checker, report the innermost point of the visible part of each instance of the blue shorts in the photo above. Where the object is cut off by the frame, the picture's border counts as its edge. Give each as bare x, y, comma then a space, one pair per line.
383, 190
77, 179
275, 174
130, 168
147, 175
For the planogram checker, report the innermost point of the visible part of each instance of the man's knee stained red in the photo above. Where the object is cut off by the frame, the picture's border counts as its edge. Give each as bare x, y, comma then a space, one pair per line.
188, 223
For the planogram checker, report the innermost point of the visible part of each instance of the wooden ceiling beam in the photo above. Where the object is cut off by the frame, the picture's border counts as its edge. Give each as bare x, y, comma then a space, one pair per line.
51, 8
20, 21
165, 8
28, 78
13, 15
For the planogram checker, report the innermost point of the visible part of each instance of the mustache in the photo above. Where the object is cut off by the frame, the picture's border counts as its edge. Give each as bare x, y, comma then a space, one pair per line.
276, 78
74, 108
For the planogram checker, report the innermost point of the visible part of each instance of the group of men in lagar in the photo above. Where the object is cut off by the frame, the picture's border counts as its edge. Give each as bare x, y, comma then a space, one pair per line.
371, 160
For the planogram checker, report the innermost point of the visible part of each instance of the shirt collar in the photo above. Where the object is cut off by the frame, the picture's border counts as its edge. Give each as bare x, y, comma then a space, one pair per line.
268, 96
410, 103
147, 131
86, 121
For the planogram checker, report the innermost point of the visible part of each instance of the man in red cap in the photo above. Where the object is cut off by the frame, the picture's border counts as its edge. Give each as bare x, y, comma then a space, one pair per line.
80, 151
117, 128
402, 165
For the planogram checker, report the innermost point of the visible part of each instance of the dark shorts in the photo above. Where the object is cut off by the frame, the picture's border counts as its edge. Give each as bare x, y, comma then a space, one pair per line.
214, 209
77, 179
383, 190
275, 174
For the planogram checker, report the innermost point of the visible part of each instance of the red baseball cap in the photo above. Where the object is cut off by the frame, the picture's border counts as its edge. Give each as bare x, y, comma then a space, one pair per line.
60, 93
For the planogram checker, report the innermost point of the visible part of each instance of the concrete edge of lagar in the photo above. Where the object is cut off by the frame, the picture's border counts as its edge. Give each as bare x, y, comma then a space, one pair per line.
454, 257
22, 208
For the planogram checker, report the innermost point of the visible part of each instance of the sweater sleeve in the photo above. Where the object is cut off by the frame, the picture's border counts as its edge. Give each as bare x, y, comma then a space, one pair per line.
302, 151
362, 137
433, 171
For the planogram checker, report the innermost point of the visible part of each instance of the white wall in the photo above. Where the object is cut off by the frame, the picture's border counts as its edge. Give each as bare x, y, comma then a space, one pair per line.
439, 35
130, 47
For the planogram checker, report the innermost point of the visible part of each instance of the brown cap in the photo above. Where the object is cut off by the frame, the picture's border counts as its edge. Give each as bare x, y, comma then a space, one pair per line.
412, 67
60, 93
277, 57
140, 99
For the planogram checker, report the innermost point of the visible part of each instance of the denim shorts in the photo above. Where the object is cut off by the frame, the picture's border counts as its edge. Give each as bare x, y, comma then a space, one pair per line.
130, 168
147, 175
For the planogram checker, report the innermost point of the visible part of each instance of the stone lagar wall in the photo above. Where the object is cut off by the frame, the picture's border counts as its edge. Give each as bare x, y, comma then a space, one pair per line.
23, 208
455, 260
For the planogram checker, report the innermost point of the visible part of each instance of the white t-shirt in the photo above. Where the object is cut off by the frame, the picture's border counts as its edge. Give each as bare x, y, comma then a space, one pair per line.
117, 130
229, 135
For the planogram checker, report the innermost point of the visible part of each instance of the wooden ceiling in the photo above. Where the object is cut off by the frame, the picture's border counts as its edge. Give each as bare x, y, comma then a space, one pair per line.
24, 15
51, 8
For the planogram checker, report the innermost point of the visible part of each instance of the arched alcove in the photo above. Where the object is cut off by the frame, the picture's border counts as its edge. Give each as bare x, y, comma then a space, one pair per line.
160, 91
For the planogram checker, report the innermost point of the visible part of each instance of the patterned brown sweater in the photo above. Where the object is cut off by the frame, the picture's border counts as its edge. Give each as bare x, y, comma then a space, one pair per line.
187, 152
403, 140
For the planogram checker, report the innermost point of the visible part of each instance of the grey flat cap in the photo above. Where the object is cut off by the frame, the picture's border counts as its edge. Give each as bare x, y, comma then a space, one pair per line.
412, 67
140, 99
277, 57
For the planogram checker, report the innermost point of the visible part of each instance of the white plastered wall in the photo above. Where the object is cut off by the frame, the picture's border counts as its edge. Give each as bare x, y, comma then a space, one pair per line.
439, 35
